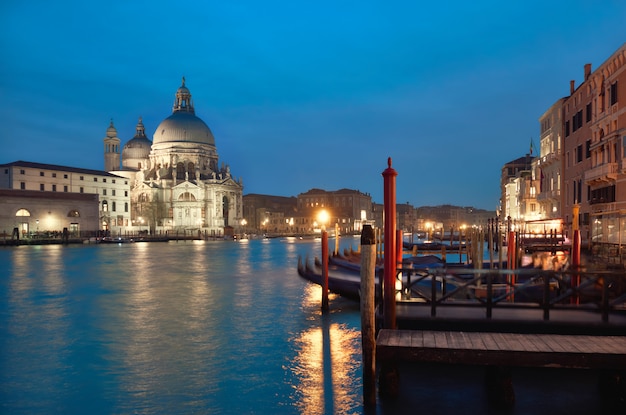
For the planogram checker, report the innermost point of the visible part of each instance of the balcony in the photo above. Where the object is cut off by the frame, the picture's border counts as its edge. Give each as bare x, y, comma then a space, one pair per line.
549, 159
553, 195
605, 173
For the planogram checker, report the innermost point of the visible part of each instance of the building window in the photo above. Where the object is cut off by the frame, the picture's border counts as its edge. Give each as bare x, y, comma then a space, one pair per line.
6, 171
579, 153
54, 187
125, 206
113, 181
22, 172
41, 173
95, 179
104, 192
613, 93
113, 192
566, 128
588, 149
42, 187
82, 190
113, 205
54, 175
65, 176
105, 206
23, 185
104, 180
81, 178
126, 191
588, 112
65, 189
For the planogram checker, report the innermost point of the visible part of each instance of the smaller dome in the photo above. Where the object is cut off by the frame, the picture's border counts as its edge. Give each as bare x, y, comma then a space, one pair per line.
137, 147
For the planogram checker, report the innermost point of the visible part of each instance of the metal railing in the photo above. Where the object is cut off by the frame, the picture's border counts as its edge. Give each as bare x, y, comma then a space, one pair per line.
603, 292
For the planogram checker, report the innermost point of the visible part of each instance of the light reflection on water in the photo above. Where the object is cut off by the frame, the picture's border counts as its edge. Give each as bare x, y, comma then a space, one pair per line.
327, 361
188, 327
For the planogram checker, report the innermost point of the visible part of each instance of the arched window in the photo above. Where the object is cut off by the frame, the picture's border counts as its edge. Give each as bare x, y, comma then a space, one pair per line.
105, 206
22, 212
180, 171
73, 214
192, 170
186, 197
225, 209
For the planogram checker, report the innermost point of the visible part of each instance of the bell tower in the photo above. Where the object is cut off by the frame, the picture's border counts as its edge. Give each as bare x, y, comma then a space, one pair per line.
111, 149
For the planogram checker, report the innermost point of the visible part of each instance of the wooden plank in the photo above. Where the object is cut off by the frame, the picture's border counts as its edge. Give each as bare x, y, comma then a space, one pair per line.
404, 338
417, 338
453, 340
429, 339
490, 342
440, 340
553, 344
477, 342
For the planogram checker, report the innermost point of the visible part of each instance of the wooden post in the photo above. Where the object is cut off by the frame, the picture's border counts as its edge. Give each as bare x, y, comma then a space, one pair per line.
490, 243
389, 294
324, 271
336, 239
368, 321
512, 261
575, 282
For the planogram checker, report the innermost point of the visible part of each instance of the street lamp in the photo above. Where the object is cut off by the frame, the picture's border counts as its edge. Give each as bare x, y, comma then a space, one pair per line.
322, 218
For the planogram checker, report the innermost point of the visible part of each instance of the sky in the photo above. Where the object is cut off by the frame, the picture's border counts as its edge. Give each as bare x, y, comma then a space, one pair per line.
304, 94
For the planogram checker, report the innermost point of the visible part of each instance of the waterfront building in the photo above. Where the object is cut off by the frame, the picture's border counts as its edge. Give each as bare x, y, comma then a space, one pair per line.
605, 178
550, 163
268, 213
57, 205
577, 118
519, 184
348, 209
34, 214
177, 184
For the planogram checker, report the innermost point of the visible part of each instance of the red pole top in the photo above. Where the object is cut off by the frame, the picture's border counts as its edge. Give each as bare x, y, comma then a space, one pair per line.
389, 171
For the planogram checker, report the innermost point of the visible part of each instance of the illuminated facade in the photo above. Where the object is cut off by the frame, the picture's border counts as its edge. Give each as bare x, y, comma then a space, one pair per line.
57, 183
176, 182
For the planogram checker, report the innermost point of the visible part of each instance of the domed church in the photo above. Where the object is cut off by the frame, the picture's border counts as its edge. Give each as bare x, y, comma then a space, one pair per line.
176, 181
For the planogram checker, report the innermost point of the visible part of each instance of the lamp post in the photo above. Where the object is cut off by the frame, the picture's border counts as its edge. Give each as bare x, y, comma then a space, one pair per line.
243, 226
323, 218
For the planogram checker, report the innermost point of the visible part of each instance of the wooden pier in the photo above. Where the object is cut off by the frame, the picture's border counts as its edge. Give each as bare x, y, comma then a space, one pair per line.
502, 349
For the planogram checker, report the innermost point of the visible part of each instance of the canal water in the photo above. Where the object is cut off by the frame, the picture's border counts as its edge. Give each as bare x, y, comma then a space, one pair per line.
215, 327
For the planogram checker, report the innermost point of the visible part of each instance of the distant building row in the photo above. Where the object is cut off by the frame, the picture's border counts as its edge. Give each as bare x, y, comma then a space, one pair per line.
578, 179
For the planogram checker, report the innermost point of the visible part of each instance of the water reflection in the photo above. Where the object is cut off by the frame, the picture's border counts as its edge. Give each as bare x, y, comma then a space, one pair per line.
202, 327
326, 364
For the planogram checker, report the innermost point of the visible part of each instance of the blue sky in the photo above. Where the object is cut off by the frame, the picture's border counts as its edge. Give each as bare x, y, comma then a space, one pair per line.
308, 94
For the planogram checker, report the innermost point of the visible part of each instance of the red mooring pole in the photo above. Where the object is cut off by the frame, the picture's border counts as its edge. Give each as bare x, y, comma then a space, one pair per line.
389, 286
324, 271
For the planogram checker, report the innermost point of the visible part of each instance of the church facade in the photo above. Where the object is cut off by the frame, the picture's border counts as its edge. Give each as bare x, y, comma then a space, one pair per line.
177, 183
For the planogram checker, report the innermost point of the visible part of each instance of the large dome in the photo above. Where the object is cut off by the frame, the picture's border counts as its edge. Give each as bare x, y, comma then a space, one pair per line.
183, 126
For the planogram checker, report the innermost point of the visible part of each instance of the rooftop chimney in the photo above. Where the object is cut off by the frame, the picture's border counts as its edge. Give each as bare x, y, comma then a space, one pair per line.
571, 86
587, 70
